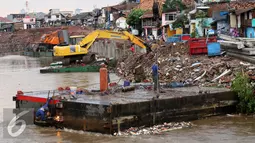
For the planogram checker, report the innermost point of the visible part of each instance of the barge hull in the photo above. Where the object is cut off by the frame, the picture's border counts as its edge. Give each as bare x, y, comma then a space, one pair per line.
111, 118
71, 69
112, 113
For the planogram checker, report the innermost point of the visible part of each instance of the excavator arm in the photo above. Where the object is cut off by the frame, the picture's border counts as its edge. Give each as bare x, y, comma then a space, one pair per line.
104, 34
81, 51
83, 47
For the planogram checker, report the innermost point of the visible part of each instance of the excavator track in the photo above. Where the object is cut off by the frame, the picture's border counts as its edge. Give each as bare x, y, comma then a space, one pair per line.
86, 59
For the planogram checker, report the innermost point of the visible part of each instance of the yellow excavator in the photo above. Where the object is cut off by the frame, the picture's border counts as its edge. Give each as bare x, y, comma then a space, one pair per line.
80, 51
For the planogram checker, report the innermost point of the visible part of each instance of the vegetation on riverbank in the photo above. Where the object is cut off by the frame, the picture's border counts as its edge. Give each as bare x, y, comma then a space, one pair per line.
243, 86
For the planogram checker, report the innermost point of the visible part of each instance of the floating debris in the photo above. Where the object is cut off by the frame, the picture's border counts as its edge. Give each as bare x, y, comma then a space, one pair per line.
157, 129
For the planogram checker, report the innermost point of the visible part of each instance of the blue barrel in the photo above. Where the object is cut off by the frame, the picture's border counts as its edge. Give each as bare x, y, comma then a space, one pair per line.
214, 49
126, 83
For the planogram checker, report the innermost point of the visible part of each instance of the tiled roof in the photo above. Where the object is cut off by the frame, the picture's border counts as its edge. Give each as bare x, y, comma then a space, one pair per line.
232, 5
148, 14
4, 20
147, 4
125, 6
240, 11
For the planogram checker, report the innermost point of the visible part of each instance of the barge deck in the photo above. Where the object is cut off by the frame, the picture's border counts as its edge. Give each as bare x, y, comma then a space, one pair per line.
114, 112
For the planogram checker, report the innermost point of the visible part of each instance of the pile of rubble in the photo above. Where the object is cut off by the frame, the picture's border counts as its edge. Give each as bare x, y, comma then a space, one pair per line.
157, 129
18, 41
176, 65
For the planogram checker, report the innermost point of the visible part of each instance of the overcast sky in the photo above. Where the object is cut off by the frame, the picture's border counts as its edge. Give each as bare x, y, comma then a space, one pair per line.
15, 6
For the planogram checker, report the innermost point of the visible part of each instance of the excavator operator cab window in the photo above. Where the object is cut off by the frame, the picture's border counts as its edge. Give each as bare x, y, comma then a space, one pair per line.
75, 40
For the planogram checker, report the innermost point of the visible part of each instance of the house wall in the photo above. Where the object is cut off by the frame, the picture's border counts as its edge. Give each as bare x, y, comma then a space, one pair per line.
253, 22
29, 23
233, 22
153, 32
164, 21
239, 21
250, 32
29, 20
223, 26
201, 24
193, 28
18, 25
53, 18
121, 23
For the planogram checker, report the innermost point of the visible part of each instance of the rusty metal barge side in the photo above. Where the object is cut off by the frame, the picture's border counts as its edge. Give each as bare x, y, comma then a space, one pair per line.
110, 118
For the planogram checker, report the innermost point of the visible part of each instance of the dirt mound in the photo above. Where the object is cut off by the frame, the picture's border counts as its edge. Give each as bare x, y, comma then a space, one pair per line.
19, 40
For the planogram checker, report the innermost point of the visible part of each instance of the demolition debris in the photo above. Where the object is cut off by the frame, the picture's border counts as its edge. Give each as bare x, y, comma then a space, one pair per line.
176, 65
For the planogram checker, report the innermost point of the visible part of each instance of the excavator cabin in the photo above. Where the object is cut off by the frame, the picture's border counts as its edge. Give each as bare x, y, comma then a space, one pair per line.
59, 37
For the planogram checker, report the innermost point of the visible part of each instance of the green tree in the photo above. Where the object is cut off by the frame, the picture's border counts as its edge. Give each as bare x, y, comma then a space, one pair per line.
243, 87
133, 18
181, 21
174, 4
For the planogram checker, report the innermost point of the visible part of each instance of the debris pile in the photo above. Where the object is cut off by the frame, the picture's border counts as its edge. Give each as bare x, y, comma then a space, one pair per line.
18, 41
176, 65
157, 129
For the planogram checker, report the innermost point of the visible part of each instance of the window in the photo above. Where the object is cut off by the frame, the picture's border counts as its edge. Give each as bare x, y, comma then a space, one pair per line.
49, 17
170, 17
57, 16
31, 20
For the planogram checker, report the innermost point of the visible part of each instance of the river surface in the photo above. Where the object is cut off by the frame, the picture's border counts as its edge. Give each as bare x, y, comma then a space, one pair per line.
22, 73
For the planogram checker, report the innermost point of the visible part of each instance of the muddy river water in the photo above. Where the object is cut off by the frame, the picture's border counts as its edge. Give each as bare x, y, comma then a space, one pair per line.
22, 73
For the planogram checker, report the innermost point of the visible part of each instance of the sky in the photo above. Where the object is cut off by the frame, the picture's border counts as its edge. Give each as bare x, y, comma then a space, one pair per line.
15, 6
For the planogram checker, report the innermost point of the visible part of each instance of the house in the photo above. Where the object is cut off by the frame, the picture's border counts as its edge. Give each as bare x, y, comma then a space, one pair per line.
82, 19
149, 25
6, 25
29, 21
111, 14
16, 17
240, 16
169, 16
68, 16
40, 19
244, 20
55, 18
221, 21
